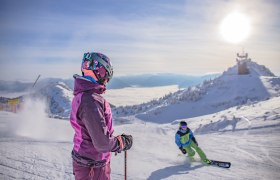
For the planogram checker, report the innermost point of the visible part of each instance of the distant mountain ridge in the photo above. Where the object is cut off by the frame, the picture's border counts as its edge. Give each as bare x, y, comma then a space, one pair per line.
14, 86
154, 80
118, 82
59, 92
213, 94
228, 90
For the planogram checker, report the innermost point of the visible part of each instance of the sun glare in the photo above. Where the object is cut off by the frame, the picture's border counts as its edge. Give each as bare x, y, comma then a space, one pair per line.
235, 27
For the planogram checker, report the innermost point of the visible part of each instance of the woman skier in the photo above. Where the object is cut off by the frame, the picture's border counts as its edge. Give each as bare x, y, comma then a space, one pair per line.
187, 143
91, 119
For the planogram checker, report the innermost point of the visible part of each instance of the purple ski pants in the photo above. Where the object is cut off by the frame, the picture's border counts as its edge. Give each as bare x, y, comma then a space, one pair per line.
87, 173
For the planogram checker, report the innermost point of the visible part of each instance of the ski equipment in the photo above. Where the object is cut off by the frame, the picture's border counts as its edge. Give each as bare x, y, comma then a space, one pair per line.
99, 65
36, 80
221, 164
125, 165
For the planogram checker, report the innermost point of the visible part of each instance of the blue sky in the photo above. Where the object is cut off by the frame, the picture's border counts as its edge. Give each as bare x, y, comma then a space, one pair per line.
49, 37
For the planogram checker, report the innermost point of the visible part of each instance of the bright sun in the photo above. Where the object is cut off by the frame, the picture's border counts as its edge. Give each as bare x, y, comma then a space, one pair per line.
235, 27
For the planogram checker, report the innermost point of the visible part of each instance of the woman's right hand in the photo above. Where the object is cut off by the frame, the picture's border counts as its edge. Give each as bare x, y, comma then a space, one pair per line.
125, 142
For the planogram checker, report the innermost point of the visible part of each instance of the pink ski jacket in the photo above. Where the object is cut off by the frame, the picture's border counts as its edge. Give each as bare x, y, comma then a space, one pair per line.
91, 118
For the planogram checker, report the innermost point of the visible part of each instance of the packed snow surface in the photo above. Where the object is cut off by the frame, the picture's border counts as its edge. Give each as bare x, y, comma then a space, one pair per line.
235, 118
247, 136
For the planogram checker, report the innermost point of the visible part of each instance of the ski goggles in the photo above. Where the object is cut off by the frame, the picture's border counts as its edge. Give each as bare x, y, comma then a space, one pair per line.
184, 127
103, 74
96, 62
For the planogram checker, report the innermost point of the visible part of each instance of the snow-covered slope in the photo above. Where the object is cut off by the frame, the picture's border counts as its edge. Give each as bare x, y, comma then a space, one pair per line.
56, 90
246, 135
59, 97
57, 94
228, 90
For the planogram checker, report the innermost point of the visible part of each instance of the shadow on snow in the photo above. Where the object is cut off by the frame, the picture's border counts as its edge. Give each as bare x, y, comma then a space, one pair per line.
173, 170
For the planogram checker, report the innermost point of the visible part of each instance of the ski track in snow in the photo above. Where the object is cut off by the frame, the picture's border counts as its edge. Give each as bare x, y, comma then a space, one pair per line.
252, 146
31, 160
39, 160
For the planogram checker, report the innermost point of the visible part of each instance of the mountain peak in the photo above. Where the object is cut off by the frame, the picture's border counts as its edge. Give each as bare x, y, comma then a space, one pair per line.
245, 65
245, 82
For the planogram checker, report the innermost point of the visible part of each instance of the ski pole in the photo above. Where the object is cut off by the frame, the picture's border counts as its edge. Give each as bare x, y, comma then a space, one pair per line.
125, 166
36, 81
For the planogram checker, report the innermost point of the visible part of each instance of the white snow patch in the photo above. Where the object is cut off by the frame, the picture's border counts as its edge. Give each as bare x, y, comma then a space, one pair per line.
253, 152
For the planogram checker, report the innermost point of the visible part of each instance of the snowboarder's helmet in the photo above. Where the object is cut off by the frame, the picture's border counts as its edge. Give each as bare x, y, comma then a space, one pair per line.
99, 65
183, 124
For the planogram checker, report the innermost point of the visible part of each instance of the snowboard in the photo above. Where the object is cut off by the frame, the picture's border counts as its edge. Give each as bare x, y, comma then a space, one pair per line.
221, 164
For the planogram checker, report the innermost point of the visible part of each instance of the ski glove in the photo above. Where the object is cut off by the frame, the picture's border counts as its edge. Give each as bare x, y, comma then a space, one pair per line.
125, 142
183, 150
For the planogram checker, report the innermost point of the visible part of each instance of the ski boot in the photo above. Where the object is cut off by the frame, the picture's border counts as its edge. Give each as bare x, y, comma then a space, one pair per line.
207, 161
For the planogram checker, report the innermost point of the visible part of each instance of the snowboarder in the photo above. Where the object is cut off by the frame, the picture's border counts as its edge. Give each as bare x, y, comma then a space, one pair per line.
91, 119
187, 143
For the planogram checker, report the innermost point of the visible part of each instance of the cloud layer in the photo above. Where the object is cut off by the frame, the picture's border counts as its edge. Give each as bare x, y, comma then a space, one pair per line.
50, 37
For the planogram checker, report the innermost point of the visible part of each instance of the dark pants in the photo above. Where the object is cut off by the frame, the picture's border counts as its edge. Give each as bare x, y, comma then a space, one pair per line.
87, 173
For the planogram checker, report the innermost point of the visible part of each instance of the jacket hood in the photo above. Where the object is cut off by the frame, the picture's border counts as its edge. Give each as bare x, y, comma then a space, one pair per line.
82, 84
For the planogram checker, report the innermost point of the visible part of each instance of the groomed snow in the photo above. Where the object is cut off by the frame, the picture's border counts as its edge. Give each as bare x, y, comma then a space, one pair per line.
247, 136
